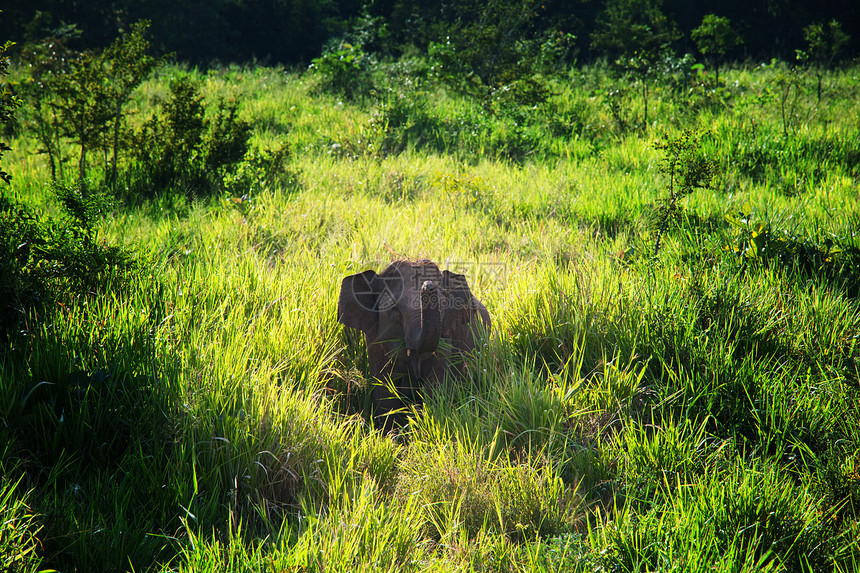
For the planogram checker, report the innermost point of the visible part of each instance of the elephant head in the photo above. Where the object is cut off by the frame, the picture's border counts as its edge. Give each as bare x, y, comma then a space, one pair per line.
417, 321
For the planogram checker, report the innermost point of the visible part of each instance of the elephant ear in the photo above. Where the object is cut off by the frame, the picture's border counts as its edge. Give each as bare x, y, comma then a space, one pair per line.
357, 305
461, 312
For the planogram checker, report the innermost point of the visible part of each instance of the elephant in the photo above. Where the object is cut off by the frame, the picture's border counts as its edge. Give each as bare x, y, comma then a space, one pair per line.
417, 322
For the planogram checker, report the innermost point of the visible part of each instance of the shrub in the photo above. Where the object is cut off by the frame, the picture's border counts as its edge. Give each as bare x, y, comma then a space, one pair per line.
180, 148
767, 241
81, 96
343, 71
43, 258
499, 45
20, 290
637, 36
72, 256
825, 45
261, 170
9, 102
715, 37
687, 170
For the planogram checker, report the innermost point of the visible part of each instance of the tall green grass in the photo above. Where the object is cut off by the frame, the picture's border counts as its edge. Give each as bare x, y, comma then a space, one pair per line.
690, 411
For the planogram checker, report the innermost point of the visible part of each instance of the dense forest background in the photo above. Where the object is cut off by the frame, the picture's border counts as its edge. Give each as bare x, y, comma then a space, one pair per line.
292, 32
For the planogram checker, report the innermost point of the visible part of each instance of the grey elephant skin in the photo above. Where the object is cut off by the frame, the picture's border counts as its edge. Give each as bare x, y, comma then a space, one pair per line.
417, 321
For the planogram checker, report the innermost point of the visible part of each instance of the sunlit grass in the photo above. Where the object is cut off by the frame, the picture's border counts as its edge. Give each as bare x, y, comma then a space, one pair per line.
694, 410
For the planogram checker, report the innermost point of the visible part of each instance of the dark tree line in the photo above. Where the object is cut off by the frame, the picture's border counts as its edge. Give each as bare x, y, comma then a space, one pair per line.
195, 31
296, 31
769, 28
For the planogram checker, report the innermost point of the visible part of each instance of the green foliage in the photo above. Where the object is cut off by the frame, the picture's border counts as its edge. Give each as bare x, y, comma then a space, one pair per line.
73, 254
260, 171
9, 102
344, 71
282, 32
407, 121
825, 44
47, 259
493, 49
20, 289
687, 171
127, 65
46, 60
636, 37
833, 258
181, 148
715, 36
81, 96
634, 34
81, 100
16, 227
788, 85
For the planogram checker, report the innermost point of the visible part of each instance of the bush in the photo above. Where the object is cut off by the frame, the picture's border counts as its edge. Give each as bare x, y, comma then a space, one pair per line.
73, 257
344, 71
81, 97
20, 289
180, 148
43, 259
9, 102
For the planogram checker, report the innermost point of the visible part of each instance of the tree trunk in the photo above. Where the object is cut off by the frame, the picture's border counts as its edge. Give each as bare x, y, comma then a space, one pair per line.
116, 119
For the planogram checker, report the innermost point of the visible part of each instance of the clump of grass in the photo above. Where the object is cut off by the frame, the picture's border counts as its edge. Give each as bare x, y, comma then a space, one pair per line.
750, 512
361, 530
466, 486
19, 528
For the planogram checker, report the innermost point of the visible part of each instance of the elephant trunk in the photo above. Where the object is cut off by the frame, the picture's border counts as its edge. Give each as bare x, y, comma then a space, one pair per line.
426, 336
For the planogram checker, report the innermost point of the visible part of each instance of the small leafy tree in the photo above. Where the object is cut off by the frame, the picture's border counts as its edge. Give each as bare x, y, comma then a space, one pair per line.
637, 38
687, 170
82, 96
497, 46
82, 104
46, 58
825, 43
789, 85
126, 65
715, 37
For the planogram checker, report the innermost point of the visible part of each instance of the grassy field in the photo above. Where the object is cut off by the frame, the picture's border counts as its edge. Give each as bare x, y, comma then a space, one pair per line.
689, 410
